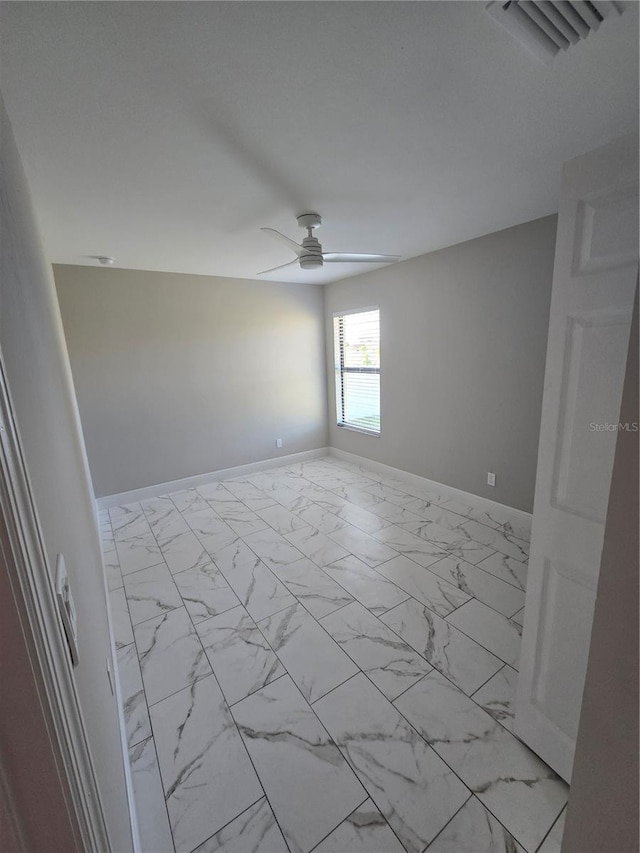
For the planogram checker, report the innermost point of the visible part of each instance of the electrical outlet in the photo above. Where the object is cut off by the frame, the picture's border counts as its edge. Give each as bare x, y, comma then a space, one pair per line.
491, 479
278, 442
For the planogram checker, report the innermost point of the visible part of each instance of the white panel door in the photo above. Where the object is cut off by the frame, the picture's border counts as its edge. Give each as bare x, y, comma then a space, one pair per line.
594, 280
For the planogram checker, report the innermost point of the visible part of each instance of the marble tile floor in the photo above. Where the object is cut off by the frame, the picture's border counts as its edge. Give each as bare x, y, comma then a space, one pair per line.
321, 658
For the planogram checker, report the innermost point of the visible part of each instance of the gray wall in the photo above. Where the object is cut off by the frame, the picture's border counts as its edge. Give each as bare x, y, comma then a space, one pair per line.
178, 375
463, 344
39, 379
603, 803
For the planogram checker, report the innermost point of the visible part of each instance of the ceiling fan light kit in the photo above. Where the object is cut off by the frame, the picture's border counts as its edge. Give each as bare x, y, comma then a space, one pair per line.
310, 254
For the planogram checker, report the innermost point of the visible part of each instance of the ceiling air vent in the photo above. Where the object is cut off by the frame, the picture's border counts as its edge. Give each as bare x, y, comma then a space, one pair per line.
545, 27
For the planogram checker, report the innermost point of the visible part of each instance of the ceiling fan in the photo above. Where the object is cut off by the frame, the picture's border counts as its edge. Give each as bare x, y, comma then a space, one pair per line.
310, 254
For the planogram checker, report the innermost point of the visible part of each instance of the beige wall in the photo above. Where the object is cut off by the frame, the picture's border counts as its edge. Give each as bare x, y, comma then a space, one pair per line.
463, 343
178, 375
39, 379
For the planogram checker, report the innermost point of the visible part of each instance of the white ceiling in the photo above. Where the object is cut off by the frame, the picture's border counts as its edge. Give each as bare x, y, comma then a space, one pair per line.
166, 133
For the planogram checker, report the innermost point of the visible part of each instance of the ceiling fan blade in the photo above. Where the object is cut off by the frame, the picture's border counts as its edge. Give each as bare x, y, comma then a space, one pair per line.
350, 258
281, 267
297, 248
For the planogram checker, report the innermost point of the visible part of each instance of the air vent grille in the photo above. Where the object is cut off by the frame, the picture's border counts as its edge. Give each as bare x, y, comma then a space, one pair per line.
545, 27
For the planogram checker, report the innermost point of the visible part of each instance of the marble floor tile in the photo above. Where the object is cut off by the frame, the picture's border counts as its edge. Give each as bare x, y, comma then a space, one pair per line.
553, 841
253, 497
120, 619
394, 493
425, 586
421, 507
220, 544
475, 830
151, 810
415, 547
312, 492
237, 555
205, 592
128, 522
450, 651
188, 501
390, 663
487, 588
207, 777
489, 628
107, 539
113, 575
134, 705
496, 540
323, 520
310, 786
331, 502
328, 482
364, 831
254, 831
356, 560
361, 518
312, 587
365, 584
371, 551
296, 481
455, 541
357, 496
266, 481
498, 696
272, 548
520, 790
138, 553
436, 513
206, 522
289, 498
171, 654
281, 519
401, 485
216, 492
395, 513
493, 517
151, 592
518, 618
259, 589
507, 569
239, 517
413, 788
316, 546
183, 551
163, 517
314, 661
241, 659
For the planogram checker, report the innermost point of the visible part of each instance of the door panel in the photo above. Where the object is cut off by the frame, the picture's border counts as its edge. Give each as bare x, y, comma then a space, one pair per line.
591, 303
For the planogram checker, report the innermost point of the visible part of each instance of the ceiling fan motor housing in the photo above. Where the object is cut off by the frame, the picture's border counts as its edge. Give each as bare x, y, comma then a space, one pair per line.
312, 256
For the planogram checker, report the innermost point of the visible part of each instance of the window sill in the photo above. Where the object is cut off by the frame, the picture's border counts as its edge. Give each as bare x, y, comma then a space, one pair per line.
374, 433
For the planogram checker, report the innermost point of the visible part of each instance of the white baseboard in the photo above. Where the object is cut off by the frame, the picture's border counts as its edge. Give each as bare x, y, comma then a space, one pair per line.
518, 518
200, 479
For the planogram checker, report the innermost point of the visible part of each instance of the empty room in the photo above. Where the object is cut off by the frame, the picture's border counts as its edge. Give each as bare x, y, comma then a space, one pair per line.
319, 426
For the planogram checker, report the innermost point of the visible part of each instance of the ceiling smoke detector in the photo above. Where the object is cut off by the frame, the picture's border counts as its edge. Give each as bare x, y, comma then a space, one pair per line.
105, 260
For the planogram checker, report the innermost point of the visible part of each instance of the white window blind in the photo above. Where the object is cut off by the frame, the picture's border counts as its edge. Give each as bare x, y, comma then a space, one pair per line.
357, 359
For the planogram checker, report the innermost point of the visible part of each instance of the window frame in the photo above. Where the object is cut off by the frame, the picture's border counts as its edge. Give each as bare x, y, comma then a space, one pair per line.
340, 369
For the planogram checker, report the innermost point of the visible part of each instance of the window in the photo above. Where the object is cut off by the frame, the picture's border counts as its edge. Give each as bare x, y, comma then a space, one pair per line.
356, 339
